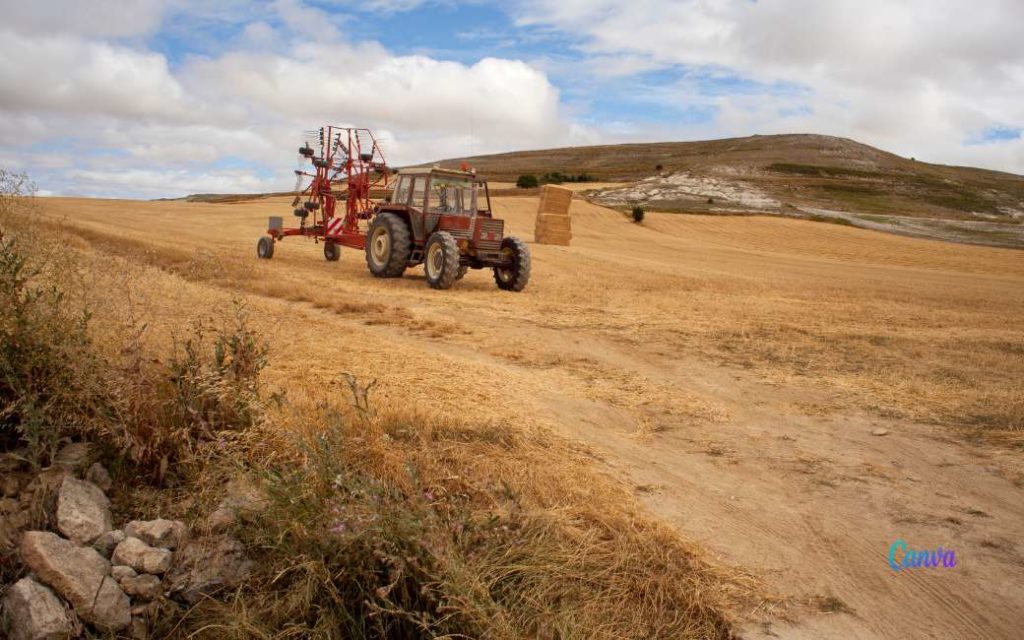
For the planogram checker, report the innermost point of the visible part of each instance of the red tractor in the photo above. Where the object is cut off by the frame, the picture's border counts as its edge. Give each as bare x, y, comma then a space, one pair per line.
438, 217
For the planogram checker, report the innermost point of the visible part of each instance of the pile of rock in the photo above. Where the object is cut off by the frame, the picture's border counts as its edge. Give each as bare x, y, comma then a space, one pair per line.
554, 225
84, 572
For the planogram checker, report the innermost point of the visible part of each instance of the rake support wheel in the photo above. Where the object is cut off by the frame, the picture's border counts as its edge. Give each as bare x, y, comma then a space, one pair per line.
331, 251
265, 248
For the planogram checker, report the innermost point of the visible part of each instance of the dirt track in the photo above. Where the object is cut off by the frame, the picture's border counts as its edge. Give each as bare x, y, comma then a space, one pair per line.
649, 344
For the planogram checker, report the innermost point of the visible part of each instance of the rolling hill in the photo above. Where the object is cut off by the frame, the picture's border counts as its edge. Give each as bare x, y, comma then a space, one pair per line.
779, 172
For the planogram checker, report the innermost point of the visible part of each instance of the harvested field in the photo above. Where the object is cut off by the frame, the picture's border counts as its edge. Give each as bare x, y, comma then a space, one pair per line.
728, 373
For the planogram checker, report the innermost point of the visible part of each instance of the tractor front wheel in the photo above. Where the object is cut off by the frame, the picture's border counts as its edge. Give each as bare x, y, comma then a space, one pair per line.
441, 260
265, 248
517, 256
388, 246
331, 251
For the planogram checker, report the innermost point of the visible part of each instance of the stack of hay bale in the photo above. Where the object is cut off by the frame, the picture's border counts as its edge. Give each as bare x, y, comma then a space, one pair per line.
553, 222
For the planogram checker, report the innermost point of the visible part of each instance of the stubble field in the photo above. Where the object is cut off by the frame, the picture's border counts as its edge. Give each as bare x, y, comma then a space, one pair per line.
726, 372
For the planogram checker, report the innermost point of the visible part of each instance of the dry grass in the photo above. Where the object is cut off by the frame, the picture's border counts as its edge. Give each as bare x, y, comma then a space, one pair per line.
385, 521
424, 527
883, 324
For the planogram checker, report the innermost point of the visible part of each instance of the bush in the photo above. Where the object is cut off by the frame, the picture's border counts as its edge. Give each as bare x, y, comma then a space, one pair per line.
47, 370
48, 387
638, 214
208, 390
57, 384
527, 182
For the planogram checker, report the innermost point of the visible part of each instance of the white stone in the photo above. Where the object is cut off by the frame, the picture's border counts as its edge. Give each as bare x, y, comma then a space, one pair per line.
33, 612
106, 543
121, 571
80, 575
98, 475
83, 511
145, 586
166, 534
140, 556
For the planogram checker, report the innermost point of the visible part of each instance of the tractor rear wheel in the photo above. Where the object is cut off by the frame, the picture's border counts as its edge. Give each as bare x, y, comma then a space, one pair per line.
515, 276
331, 251
388, 246
265, 248
441, 260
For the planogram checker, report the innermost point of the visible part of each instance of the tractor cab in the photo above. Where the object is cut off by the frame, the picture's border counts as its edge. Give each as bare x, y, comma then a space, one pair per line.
442, 191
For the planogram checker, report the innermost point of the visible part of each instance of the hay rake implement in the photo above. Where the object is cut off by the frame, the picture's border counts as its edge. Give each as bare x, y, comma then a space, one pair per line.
344, 156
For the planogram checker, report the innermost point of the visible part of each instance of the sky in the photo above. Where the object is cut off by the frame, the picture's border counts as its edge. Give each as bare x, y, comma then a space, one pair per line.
161, 98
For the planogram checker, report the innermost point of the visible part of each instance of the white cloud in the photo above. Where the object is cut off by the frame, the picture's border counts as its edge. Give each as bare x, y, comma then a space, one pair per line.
94, 18
68, 74
919, 76
90, 105
136, 125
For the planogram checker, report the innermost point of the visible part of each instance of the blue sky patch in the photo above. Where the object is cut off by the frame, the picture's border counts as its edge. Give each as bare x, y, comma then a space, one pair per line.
998, 133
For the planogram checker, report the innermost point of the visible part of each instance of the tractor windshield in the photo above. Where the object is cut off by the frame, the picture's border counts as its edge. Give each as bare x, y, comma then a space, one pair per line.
452, 195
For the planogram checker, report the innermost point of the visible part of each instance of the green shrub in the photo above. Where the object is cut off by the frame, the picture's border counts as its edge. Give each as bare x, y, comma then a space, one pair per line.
527, 182
638, 214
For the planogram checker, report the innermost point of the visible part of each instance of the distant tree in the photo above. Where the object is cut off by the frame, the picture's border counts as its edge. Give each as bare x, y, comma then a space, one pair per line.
638, 214
527, 182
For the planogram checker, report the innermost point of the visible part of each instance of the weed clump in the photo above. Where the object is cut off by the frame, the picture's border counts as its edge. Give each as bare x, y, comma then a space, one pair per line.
207, 392
638, 214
